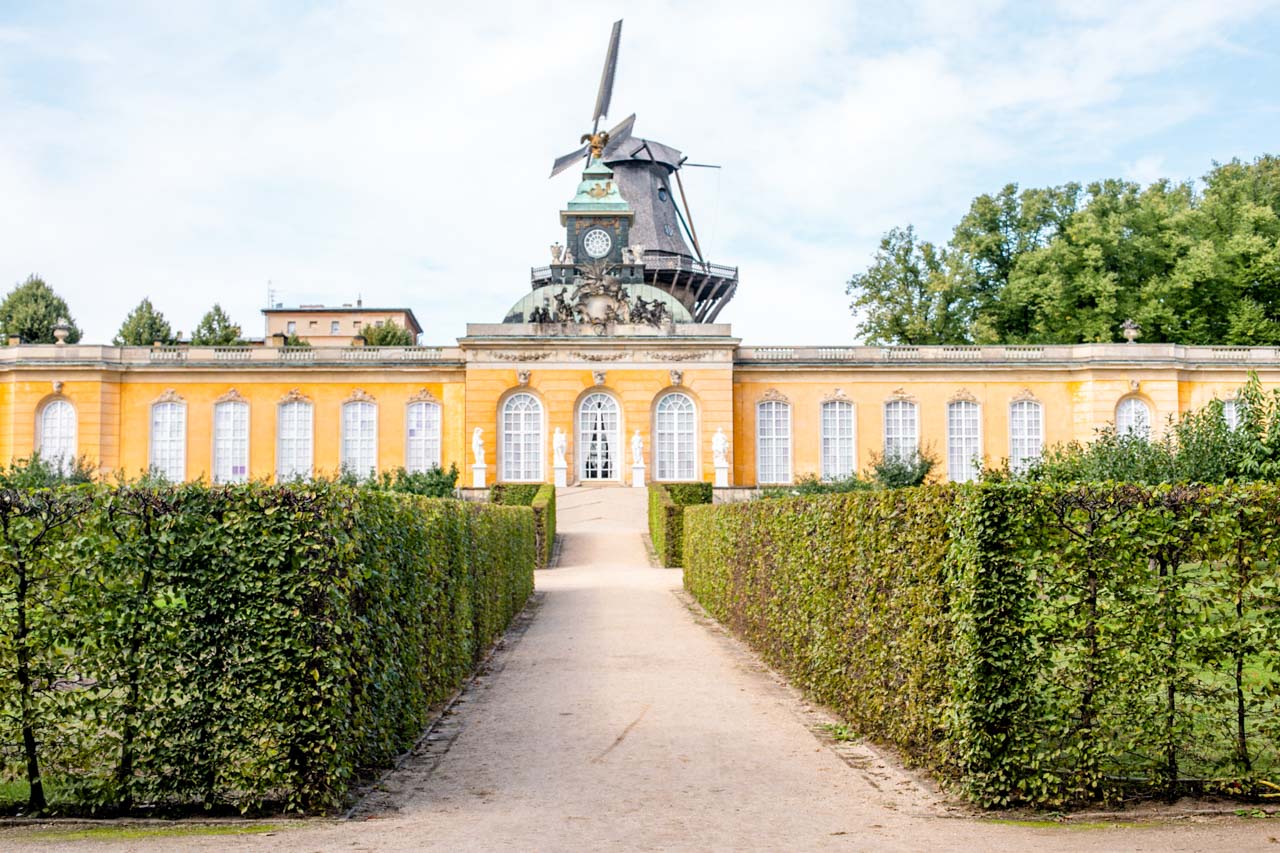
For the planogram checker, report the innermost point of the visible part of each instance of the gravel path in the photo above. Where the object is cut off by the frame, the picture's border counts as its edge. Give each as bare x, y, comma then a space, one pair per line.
622, 719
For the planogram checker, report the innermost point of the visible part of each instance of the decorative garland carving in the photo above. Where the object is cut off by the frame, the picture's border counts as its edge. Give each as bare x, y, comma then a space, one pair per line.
423, 396
600, 356
169, 396
359, 395
232, 396
521, 356
295, 396
680, 356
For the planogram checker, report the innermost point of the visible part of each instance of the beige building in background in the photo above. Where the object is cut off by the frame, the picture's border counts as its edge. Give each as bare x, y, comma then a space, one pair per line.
322, 325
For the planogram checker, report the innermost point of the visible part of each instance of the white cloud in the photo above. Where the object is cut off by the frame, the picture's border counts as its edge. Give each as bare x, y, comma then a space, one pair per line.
400, 150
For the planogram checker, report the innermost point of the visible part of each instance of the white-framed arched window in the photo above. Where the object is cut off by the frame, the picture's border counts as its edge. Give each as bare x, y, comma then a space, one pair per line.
964, 440
294, 436
422, 436
1026, 433
675, 436
360, 438
1133, 417
56, 434
837, 440
168, 457
901, 429
521, 437
773, 442
599, 448
231, 441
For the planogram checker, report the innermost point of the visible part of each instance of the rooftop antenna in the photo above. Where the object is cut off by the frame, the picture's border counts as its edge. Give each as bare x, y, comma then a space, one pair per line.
595, 142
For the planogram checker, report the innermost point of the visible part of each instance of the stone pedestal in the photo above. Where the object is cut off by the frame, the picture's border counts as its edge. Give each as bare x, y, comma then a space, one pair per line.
562, 475
637, 475
477, 476
722, 476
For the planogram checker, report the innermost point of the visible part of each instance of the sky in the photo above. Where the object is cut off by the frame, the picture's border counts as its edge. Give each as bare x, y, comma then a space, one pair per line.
399, 152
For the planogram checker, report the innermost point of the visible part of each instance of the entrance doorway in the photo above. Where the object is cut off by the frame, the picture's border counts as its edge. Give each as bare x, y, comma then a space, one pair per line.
599, 438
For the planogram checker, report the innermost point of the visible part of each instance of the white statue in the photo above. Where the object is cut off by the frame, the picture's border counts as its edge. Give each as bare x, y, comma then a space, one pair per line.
637, 449
477, 445
720, 447
560, 443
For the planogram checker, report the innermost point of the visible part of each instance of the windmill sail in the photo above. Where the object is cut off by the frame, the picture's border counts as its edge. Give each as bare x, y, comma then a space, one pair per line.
605, 93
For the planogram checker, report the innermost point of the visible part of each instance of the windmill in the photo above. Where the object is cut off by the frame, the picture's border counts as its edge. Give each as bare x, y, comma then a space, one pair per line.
642, 170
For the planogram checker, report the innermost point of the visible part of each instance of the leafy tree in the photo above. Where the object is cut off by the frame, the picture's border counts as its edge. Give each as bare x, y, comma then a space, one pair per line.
388, 335
32, 309
215, 329
909, 295
143, 327
295, 341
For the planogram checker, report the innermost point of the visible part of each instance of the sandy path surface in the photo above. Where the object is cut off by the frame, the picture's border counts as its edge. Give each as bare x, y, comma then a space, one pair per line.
621, 719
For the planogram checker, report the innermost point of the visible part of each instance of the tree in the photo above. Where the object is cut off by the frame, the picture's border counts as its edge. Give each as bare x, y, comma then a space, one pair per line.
388, 335
32, 309
215, 329
910, 295
143, 327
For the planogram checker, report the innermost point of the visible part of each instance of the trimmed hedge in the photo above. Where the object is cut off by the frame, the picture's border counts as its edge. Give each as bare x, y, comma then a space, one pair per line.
542, 498
1032, 644
237, 646
666, 516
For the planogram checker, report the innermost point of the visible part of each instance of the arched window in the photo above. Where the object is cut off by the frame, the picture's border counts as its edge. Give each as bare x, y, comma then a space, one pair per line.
773, 442
56, 434
422, 436
522, 438
901, 430
964, 440
675, 435
231, 442
837, 440
169, 441
1133, 417
599, 437
1026, 433
360, 438
294, 421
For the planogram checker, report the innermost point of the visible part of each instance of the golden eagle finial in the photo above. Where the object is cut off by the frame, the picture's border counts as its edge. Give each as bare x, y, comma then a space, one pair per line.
598, 142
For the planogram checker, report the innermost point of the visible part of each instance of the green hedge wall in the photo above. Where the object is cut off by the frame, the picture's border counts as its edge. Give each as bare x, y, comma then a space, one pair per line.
666, 516
1033, 644
237, 646
542, 498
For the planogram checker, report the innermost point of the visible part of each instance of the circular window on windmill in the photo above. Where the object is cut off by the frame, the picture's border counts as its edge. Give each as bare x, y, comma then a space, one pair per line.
662, 193
597, 243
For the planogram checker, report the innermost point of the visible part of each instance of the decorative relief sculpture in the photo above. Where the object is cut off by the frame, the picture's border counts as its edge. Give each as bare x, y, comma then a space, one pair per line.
964, 395
359, 395
477, 445
521, 356
598, 376
637, 449
1024, 395
773, 395
522, 376
720, 448
232, 396
57, 386
423, 396
557, 252
169, 396
677, 377
599, 299
559, 444
295, 396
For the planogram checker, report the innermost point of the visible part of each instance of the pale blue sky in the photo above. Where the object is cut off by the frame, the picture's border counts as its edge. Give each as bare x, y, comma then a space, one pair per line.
400, 151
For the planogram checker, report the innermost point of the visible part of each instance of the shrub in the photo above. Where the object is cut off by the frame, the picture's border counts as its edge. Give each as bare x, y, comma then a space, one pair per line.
810, 484
432, 483
236, 646
1032, 643
542, 499
902, 472
666, 516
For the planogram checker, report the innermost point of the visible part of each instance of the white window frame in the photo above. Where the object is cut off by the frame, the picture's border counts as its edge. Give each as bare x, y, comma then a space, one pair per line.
901, 430
964, 445
58, 445
1231, 413
675, 447
1026, 448
773, 442
303, 441
422, 452
520, 450
228, 450
617, 456
359, 453
167, 455
838, 439
1133, 417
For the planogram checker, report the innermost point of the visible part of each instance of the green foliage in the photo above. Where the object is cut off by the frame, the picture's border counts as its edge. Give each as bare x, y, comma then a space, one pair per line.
295, 341
36, 472
143, 327
901, 472
1033, 643
240, 645
1070, 264
388, 335
31, 310
542, 499
666, 516
811, 484
431, 483
215, 329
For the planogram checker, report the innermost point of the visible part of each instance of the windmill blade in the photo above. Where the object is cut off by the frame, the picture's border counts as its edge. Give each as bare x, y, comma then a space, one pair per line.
620, 134
568, 160
606, 78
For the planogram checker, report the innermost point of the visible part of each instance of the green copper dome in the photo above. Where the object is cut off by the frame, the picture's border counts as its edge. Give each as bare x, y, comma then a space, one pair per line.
598, 191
